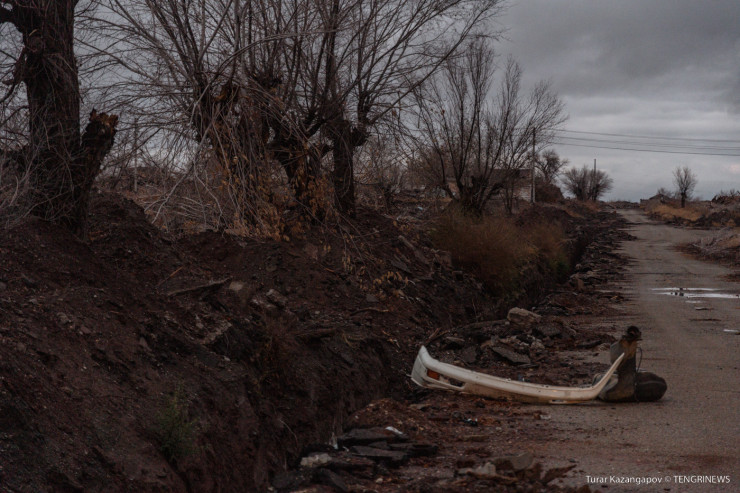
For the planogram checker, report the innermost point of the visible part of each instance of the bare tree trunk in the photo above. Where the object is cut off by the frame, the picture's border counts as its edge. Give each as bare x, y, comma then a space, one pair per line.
63, 165
343, 171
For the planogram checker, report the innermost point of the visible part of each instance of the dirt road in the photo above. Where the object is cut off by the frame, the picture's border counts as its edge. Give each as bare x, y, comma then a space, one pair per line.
694, 432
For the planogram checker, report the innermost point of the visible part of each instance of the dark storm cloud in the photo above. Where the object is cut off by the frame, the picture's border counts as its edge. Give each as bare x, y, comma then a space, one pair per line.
641, 67
627, 44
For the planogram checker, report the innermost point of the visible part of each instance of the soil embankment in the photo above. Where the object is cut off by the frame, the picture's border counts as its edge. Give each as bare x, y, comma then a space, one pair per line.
136, 362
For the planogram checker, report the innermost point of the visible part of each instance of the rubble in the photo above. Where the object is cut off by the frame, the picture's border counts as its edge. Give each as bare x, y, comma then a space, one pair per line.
523, 318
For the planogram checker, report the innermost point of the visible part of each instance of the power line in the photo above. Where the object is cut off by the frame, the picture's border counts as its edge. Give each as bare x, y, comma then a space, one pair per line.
662, 151
650, 144
646, 136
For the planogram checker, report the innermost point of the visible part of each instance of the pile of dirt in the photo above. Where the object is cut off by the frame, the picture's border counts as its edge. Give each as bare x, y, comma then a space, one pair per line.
722, 247
146, 363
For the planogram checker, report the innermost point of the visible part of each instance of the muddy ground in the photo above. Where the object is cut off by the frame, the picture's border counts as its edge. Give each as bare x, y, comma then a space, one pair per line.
141, 362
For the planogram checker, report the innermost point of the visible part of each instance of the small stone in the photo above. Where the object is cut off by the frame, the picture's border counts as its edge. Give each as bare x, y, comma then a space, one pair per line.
522, 318
486, 471
316, 460
514, 462
277, 298
371, 298
537, 345
64, 320
262, 304
236, 286
365, 436
3, 286
511, 356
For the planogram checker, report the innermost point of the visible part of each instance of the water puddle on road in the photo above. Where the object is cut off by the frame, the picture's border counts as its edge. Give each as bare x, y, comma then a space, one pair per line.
696, 293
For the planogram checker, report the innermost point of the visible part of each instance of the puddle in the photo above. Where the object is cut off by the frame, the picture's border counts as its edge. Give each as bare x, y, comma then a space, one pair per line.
696, 293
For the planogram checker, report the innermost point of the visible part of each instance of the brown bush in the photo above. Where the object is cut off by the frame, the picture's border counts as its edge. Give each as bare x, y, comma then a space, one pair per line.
496, 250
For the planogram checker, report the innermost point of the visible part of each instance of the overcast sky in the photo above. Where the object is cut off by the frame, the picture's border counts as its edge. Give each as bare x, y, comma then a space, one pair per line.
658, 74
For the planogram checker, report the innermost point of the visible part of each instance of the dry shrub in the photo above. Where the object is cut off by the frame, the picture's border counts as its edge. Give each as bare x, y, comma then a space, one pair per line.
496, 250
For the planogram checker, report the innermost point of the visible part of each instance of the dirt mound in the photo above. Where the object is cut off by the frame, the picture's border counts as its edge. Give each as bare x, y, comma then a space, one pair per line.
146, 363
265, 339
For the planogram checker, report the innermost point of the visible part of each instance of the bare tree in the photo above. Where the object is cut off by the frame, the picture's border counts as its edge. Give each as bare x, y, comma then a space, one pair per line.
549, 165
381, 165
587, 184
60, 161
685, 181
276, 81
476, 145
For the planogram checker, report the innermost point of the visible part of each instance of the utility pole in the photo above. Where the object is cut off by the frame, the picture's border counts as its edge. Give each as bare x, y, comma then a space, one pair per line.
534, 158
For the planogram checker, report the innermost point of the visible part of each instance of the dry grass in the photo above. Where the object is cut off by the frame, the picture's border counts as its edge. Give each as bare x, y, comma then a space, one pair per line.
496, 250
667, 212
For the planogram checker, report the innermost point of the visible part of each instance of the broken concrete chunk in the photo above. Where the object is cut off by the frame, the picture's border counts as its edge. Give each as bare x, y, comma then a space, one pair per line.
390, 457
522, 317
366, 436
514, 462
511, 356
316, 460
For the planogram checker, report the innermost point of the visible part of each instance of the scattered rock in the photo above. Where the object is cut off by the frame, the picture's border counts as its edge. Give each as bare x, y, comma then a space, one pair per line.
63, 319
262, 304
371, 298
523, 318
486, 471
277, 298
236, 286
511, 356
366, 436
514, 462
547, 330
389, 457
316, 460
3, 286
